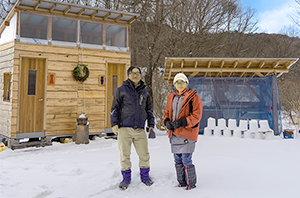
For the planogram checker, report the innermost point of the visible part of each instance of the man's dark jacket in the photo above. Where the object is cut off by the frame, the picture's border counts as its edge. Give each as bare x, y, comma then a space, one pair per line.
132, 106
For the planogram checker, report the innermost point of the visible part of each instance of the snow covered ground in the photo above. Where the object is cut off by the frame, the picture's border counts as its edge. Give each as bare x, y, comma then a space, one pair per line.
226, 168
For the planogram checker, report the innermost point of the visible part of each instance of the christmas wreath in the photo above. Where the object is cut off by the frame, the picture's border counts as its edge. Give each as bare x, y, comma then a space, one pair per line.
81, 72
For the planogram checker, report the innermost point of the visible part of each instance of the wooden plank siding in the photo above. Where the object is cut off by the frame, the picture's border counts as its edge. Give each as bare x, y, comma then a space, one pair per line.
67, 98
6, 66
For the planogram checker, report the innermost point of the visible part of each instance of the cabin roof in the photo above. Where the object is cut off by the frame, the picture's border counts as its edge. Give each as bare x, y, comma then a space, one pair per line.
226, 67
67, 9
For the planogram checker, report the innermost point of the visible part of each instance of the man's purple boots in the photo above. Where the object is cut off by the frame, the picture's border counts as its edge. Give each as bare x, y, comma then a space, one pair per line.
144, 172
126, 179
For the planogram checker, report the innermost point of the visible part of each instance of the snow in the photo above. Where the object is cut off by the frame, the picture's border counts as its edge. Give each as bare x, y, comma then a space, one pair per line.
226, 167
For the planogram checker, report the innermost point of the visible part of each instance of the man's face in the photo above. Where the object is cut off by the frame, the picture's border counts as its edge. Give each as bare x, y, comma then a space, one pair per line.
135, 76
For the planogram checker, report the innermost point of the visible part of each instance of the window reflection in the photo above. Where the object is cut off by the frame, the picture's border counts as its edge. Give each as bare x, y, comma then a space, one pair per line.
63, 29
33, 26
31, 81
6, 88
116, 35
91, 33
115, 81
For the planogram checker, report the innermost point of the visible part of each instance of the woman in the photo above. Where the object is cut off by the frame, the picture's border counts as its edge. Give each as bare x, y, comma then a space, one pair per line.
181, 117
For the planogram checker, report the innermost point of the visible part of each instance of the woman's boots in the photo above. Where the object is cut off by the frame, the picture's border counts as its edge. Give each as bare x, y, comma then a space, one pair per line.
180, 175
190, 176
186, 176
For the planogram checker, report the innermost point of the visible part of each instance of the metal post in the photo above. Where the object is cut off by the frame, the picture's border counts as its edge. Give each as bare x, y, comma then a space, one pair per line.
275, 105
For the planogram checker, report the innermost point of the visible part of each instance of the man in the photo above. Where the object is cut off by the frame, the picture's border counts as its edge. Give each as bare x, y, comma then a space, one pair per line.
132, 106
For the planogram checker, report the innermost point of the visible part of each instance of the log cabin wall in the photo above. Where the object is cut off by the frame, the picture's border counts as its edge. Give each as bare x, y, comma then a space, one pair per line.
7, 101
67, 98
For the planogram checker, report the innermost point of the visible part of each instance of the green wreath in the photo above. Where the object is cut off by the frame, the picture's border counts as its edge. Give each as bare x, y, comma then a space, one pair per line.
81, 72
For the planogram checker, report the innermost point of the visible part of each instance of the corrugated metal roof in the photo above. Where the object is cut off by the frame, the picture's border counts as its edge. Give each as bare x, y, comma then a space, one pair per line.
67, 9
96, 13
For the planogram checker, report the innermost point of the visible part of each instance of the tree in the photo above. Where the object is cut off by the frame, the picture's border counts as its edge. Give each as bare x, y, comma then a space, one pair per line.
182, 28
290, 100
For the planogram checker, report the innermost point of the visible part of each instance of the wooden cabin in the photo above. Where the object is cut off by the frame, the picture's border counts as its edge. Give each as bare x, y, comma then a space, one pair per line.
234, 88
41, 43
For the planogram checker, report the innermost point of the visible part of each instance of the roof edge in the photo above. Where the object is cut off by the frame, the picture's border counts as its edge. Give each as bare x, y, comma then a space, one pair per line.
8, 16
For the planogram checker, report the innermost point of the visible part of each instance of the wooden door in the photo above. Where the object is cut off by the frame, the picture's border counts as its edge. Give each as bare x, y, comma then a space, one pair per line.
32, 91
115, 77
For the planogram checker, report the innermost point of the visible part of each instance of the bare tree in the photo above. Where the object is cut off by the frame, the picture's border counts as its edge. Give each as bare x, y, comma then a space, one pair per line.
290, 100
183, 28
296, 17
161, 89
148, 36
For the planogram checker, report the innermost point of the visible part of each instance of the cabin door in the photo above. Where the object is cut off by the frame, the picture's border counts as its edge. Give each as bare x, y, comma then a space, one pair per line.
32, 91
115, 77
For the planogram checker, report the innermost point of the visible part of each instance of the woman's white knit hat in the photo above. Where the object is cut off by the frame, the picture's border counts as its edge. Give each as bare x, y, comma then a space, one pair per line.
181, 76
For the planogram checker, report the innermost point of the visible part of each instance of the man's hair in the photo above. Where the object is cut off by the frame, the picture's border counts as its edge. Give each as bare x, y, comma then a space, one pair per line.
129, 70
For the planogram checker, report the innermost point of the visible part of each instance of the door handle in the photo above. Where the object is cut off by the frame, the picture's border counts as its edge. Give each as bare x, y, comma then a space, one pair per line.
108, 99
41, 99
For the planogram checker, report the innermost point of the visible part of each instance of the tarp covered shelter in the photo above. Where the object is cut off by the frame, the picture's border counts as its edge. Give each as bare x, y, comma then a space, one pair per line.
236, 88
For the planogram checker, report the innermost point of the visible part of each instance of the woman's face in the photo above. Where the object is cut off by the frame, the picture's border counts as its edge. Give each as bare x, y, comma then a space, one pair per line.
180, 85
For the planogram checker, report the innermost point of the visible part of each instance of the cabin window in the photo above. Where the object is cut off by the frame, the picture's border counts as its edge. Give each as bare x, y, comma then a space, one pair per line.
31, 82
67, 30
116, 36
33, 26
115, 81
6, 88
63, 29
91, 33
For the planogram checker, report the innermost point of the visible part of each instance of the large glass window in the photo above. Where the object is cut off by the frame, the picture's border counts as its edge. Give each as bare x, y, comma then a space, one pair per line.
116, 36
33, 26
91, 33
63, 30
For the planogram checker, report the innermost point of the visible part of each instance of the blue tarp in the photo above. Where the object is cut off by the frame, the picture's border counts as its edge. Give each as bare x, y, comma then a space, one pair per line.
237, 98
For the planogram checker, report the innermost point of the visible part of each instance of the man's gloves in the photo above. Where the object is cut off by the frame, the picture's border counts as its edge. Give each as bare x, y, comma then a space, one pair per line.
151, 134
115, 129
180, 123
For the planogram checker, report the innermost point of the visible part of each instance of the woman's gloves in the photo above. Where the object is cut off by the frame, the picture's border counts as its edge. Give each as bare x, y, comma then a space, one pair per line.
170, 125
180, 123
176, 124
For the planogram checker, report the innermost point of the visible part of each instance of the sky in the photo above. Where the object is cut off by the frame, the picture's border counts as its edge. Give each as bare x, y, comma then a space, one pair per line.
272, 15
